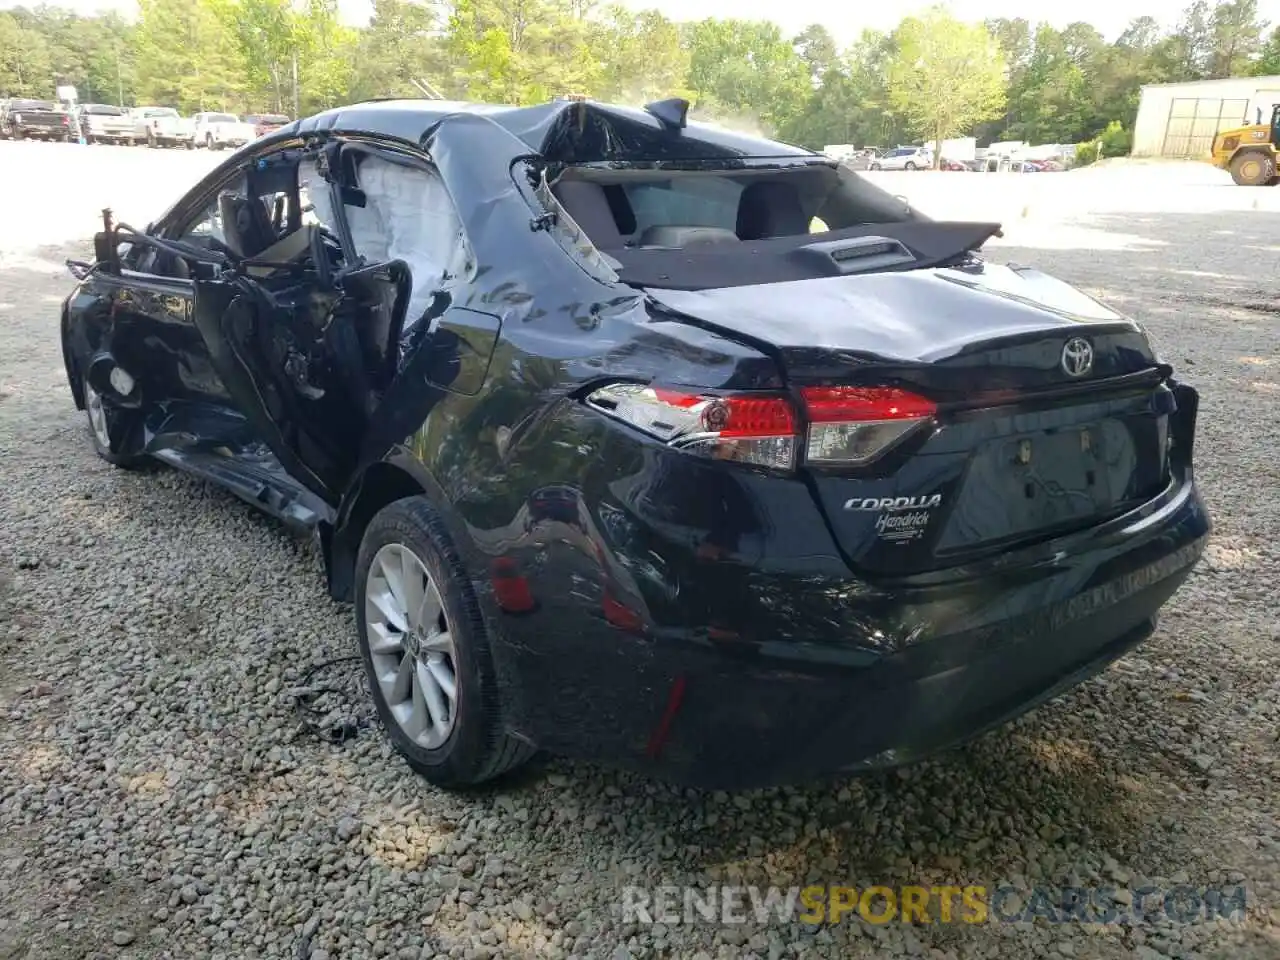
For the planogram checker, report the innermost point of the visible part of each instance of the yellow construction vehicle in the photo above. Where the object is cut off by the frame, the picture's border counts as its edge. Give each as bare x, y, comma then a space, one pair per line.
1249, 153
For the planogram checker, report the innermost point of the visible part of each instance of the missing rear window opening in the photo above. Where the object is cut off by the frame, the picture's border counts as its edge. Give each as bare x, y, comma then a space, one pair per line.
652, 208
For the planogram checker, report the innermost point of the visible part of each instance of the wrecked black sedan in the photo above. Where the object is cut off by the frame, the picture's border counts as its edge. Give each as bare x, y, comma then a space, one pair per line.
642, 441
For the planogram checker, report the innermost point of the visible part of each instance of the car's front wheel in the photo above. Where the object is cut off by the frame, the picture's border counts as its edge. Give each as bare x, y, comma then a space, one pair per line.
426, 651
106, 422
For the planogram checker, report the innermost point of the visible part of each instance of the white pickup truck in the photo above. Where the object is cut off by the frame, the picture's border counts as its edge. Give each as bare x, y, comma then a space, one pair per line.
218, 130
162, 127
103, 123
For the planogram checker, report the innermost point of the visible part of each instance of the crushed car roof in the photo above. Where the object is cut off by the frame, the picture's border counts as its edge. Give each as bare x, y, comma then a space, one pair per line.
571, 131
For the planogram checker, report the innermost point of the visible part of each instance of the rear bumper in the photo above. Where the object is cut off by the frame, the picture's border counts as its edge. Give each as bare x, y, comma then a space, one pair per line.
926, 663
753, 729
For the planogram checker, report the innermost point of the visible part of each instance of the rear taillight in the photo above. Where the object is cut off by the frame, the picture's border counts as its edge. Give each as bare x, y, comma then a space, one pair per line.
66, 121
757, 428
854, 425
847, 426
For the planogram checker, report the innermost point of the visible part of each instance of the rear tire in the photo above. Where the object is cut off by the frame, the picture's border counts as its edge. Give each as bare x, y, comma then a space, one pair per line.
910, 165
875, 166
469, 745
1252, 169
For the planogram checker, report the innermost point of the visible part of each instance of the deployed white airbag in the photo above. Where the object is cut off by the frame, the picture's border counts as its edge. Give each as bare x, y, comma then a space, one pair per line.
408, 215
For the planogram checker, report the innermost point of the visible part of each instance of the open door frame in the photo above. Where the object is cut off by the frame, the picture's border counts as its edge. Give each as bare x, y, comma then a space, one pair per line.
315, 431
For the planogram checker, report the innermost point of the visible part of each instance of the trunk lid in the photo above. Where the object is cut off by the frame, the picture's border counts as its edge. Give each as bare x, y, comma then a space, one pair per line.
1029, 440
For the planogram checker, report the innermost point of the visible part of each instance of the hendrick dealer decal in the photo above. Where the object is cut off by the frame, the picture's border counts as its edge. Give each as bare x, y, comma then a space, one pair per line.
901, 519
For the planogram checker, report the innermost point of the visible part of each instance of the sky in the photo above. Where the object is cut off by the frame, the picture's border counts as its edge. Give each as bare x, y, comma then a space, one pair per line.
845, 20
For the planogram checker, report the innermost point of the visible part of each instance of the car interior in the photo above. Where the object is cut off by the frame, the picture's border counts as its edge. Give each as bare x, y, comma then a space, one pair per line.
735, 225
621, 209
282, 215
323, 352
658, 209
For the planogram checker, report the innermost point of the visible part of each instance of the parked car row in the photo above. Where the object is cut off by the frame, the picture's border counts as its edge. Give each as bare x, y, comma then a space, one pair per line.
907, 158
22, 119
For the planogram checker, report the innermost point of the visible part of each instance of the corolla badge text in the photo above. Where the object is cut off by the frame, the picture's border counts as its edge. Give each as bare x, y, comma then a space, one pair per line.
877, 504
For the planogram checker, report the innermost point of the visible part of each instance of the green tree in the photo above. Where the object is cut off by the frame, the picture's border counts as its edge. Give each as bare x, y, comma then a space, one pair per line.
520, 51
640, 54
744, 72
851, 103
1268, 62
265, 34
187, 57
324, 50
946, 76
1185, 54
25, 66
1017, 45
1236, 37
403, 42
818, 49
1052, 102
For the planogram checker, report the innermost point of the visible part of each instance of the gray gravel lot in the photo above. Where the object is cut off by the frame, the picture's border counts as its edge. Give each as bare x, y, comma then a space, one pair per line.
157, 798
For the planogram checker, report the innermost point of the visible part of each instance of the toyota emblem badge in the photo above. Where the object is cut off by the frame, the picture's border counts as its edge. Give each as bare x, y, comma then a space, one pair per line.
1077, 357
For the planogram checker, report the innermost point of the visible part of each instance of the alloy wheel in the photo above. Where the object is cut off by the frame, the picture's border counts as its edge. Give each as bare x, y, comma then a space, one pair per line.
410, 646
97, 417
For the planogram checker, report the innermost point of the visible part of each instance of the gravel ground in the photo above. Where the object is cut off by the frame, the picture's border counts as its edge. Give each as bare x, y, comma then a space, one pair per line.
158, 797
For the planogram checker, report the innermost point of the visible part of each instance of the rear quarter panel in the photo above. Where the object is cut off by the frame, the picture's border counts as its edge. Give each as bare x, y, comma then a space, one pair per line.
655, 539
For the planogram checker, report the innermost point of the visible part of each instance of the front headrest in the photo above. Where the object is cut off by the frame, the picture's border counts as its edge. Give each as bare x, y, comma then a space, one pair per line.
246, 226
588, 205
770, 208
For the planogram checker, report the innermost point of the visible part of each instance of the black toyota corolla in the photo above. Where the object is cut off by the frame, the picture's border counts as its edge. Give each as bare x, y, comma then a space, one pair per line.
642, 441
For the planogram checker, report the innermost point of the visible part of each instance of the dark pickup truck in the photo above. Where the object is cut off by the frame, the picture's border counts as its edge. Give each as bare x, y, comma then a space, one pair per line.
20, 119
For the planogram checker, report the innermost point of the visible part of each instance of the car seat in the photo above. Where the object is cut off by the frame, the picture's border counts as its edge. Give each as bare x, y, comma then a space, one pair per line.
770, 208
588, 204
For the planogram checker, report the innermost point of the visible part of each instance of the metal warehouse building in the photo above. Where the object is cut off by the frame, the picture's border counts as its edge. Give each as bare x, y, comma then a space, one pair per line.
1181, 119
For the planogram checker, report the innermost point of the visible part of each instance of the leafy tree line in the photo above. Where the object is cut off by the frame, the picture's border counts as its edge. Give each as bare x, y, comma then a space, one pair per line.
930, 78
